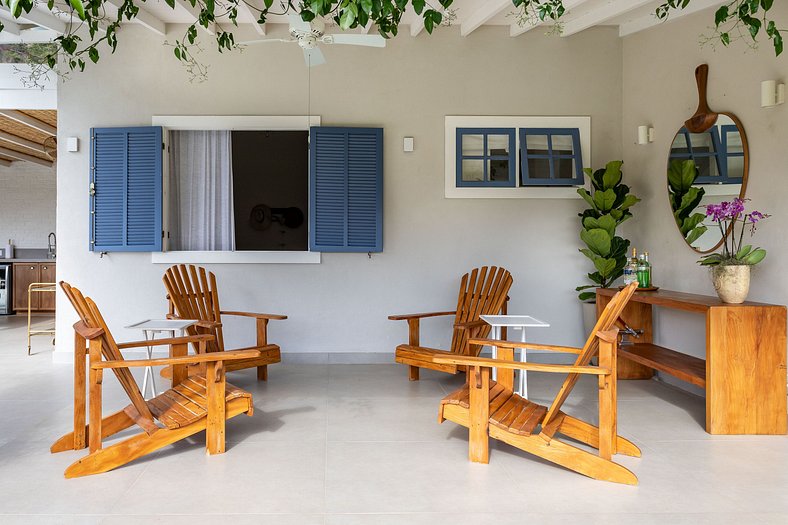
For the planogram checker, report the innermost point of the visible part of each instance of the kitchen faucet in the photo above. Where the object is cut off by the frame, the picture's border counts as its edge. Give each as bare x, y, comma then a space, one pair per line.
52, 246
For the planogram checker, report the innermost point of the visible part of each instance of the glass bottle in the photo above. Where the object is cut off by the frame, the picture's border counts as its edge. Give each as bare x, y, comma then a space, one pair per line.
630, 270
649, 269
642, 272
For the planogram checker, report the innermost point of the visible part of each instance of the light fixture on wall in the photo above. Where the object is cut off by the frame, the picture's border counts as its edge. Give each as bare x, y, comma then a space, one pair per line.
645, 134
772, 93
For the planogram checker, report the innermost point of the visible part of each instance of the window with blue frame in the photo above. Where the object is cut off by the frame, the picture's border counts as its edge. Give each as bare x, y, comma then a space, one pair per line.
486, 157
550, 157
733, 149
704, 148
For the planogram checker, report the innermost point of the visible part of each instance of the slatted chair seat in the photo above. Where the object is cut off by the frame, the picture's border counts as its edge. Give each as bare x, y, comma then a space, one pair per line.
489, 409
508, 411
483, 291
187, 402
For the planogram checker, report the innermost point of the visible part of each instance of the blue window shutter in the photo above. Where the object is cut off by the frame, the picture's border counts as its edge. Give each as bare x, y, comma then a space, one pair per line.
126, 184
346, 189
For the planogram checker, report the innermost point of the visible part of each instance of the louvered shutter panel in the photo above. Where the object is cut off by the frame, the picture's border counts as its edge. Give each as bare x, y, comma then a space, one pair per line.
346, 189
126, 188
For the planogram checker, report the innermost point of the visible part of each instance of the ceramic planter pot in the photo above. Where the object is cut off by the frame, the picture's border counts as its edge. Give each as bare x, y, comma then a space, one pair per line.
589, 317
732, 282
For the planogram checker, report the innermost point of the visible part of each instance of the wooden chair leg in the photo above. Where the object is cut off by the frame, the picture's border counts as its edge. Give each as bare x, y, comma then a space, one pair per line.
214, 431
262, 340
80, 392
179, 372
413, 373
607, 400
110, 425
479, 398
262, 373
413, 340
96, 377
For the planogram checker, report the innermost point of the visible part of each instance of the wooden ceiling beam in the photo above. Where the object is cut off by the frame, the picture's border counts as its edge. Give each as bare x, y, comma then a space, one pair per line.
19, 141
25, 157
5, 162
29, 121
600, 15
484, 13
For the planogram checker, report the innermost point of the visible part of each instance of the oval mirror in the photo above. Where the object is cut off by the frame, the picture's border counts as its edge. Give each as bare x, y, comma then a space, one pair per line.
708, 163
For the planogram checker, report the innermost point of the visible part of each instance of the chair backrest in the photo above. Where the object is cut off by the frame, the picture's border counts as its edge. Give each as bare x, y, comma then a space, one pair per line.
192, 294
483, 291
606, 320
89, 314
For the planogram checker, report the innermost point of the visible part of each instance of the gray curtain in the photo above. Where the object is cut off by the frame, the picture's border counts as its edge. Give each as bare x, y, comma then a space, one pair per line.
201, 191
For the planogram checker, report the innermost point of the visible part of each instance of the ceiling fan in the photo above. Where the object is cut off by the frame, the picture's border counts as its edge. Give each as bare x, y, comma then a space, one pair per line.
310, 35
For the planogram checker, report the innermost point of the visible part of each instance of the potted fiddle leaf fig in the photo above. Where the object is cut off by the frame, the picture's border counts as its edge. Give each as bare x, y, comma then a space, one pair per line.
610, 202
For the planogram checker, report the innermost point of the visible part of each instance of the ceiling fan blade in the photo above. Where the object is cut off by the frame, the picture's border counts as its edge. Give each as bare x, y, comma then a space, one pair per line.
266, 41
314, 57
297, 23
355, 39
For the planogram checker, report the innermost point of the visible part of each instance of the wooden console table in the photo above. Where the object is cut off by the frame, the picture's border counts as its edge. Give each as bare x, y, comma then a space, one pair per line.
744, 373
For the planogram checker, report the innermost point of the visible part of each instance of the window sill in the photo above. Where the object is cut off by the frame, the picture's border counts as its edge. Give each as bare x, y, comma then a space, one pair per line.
525, 192
220, 257
721, 189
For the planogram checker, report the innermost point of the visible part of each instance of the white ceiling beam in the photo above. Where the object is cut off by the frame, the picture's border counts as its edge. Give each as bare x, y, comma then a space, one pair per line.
365, 29
651, 20
10, 26
144, 18
25, 157
29, 121
602, 14
5, 162
19, 141
517, 30
250, 16
195, 14
44, 19
482, 15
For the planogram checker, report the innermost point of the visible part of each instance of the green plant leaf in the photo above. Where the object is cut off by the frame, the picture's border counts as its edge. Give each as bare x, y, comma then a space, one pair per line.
629, 201
695, 234
586, 196
606, 267
710, 260
346, 19
604, 200
588, 253
612, 174
78, 7
584, 287
743, 251
586, 296
598, 240
756, 256
418, 6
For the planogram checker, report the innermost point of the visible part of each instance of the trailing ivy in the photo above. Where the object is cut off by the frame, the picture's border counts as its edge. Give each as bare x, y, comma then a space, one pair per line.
91, 28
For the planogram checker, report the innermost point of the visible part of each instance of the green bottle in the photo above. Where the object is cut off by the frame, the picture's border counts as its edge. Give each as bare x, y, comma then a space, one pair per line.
643, 272
649, 269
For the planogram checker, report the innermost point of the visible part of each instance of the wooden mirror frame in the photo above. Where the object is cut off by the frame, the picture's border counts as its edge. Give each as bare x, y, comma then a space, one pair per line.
703, 119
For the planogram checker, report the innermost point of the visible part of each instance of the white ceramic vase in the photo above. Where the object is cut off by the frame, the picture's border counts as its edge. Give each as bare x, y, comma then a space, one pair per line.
732, 282
589, 317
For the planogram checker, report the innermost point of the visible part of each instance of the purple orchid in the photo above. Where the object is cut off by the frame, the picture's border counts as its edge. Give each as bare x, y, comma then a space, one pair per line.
726, 215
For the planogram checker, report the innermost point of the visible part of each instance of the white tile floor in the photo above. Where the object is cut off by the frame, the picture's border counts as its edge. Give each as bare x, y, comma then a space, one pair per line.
346, 445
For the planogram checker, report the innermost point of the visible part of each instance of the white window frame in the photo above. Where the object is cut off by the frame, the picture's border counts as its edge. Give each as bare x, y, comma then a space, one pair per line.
231, 123
453, 122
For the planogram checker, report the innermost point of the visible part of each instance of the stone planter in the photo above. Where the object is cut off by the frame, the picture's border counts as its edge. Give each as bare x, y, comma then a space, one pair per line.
731, 282
589, 317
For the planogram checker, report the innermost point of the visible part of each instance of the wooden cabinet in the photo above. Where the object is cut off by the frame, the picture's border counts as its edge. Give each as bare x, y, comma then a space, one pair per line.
744, 373
24, 275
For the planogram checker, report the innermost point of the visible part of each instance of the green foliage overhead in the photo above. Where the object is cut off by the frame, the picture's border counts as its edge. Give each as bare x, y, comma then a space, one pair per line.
685, 199
609, 203
93, 31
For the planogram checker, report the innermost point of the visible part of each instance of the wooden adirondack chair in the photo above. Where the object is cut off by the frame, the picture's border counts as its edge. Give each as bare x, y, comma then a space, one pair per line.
483, 291
192, 294
490, 409
192, 405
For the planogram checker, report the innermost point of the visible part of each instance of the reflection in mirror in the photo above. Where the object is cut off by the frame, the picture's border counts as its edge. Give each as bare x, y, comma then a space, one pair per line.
705, 168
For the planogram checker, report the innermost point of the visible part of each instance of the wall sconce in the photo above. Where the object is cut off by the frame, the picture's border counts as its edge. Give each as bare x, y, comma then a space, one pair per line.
772, 93
407, 144
645, 134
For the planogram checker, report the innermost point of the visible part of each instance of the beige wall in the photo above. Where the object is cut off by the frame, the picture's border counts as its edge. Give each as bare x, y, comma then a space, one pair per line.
659, 89
341, 305
27, 204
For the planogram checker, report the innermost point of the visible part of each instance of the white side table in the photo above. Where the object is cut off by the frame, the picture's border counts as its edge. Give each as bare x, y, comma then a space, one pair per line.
518, 322
151, 327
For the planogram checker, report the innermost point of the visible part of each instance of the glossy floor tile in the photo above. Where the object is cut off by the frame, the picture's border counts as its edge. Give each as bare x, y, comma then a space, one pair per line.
360, 444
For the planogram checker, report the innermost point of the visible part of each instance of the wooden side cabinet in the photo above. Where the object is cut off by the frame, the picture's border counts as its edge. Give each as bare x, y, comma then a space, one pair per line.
24, 275
744, 373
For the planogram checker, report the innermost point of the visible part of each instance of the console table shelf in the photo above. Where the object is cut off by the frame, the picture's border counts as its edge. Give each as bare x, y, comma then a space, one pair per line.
744, 373
683, 366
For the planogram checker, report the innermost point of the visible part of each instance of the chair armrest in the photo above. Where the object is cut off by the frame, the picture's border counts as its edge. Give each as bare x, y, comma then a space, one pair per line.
168, 341
469, 325
530, 346
87, 332
231, 355
276, 317
405, 317
516, 365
